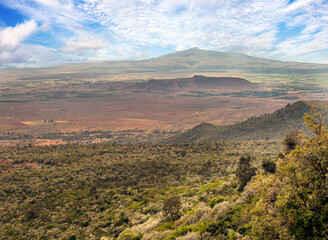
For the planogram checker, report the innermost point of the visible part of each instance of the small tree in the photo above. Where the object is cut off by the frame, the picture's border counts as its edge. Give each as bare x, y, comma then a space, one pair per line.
172, 207
269, 166
291, 140
245, 172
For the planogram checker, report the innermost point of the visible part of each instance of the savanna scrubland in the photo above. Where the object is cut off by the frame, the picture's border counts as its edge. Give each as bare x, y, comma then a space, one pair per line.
219, 190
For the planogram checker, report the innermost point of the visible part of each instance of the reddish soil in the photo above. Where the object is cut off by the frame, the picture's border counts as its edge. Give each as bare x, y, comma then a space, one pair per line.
18, 124
143, 111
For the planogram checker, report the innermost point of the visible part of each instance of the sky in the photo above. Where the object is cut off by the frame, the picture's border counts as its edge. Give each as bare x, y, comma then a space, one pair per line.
40, 33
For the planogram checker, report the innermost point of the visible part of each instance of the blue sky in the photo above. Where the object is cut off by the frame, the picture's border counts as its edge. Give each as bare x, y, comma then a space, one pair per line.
39, 33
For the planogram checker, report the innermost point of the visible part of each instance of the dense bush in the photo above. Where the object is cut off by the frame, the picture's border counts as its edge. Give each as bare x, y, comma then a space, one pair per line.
293, 203
99, 190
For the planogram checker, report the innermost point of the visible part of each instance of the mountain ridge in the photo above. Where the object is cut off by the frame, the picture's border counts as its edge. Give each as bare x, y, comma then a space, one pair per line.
195, 51
268, 126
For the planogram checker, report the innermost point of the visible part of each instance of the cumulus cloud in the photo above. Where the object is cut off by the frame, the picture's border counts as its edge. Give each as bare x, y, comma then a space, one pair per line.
12, 52
83, 43
27, 55
11, 37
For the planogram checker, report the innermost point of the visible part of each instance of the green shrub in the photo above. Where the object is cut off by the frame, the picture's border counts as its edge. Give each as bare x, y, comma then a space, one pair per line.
215, 201
232, 235
181, 231
127, 234
165, 226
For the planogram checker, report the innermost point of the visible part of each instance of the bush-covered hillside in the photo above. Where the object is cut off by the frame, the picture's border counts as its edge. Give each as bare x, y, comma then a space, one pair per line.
268, 126
90, 191
223, 190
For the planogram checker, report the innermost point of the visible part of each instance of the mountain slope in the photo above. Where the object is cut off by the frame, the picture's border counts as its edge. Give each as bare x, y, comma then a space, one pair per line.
269, 126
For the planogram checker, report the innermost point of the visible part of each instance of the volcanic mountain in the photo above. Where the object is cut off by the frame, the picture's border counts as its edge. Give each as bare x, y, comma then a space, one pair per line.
178, 64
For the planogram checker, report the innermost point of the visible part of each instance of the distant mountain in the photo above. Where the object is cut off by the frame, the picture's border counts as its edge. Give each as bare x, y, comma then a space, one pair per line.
269, 126
195, 83
198, 60
181, 63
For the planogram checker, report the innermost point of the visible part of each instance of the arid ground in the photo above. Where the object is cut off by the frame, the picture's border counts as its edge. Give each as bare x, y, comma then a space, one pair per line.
37, 112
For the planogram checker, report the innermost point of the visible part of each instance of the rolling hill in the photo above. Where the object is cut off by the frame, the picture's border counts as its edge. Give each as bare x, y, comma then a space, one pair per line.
268, 126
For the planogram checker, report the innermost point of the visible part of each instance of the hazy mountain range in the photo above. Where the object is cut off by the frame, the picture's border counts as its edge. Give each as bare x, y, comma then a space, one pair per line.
188, 62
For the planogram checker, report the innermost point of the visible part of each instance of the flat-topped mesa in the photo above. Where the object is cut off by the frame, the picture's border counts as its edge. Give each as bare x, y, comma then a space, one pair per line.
196, 83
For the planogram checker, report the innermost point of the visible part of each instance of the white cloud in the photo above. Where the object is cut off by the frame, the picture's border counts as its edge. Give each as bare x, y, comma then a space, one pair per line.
172, 6
300, 4
11, 37
57, 13
302, 45
312, 16
248, 26
83, 43
13, 51
45, 27
27, 55
119, 52
206, 24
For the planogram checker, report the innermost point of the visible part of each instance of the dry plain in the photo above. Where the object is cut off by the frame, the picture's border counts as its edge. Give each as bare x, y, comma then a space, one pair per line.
29, 114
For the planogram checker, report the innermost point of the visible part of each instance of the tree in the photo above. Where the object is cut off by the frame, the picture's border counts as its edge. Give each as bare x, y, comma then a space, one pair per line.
172, 207
293, 203
269, 166
245, 171
291, 140
306, 171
